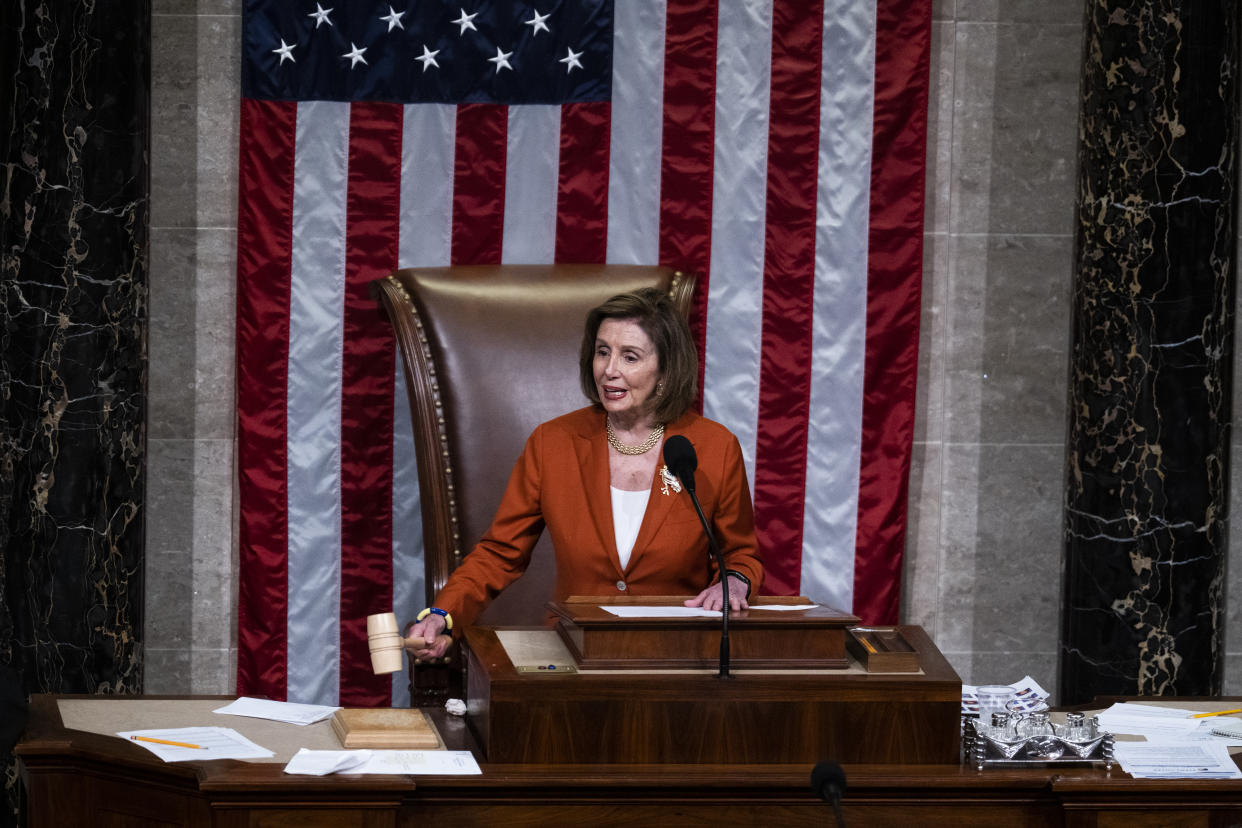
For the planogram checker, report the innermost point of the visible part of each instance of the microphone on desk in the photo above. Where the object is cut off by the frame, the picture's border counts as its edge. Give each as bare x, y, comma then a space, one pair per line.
681, 461
828, 781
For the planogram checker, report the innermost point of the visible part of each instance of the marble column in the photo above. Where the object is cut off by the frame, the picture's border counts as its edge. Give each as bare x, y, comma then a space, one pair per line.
73, 239
1152, 350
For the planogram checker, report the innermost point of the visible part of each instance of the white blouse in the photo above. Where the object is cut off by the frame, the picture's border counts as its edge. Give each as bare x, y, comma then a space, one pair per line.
628, 509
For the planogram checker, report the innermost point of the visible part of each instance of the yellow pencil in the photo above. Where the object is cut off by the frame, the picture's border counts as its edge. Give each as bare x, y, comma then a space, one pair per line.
1217, 713
870, 647
166, 742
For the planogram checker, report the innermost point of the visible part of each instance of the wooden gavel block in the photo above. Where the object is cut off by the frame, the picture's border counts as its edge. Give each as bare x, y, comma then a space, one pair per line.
386, 643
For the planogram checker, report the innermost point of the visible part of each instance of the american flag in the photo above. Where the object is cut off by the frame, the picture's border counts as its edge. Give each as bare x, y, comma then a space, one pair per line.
773, 147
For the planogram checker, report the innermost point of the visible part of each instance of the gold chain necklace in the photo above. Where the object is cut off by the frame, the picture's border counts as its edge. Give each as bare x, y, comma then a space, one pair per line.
642, 448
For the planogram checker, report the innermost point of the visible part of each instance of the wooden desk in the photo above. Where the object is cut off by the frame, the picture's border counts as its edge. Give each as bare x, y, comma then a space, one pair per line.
694, 717
76, 778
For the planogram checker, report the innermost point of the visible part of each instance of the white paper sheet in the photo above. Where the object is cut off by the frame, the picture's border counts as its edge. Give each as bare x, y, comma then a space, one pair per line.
1028, 695
1149, 720
1163, 724
783, 607
212, 742
634, 611
1176, 760
399, 762
323, 762
277, 711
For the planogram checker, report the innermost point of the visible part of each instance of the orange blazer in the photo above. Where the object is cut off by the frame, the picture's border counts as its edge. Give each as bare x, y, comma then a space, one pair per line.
561, 483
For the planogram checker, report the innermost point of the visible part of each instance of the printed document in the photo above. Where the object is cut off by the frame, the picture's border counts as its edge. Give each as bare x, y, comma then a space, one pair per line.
183, 744
1176, 760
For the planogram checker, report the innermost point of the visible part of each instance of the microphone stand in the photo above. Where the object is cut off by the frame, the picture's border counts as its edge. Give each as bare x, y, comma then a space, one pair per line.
724, 584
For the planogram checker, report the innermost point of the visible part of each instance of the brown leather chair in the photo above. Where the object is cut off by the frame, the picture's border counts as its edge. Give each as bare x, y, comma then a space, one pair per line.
489, 353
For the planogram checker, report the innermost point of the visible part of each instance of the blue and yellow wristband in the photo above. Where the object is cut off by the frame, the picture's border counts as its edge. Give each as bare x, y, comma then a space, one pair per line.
448, 619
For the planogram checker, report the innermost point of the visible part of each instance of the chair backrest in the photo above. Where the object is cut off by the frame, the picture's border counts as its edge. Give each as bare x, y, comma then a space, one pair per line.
489, 353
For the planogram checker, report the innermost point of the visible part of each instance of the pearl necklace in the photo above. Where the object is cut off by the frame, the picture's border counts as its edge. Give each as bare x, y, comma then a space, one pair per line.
642, 448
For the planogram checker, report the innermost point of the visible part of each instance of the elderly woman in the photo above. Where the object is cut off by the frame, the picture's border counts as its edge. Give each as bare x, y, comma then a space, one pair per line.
594, 479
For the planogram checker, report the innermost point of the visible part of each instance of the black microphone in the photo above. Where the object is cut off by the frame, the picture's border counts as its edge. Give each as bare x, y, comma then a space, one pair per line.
828, 781
681, 461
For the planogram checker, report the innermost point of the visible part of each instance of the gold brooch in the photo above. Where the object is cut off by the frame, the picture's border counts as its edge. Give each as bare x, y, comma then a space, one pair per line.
670, 481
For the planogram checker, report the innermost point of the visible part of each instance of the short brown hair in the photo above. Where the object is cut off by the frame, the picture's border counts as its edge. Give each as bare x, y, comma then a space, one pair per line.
667, 329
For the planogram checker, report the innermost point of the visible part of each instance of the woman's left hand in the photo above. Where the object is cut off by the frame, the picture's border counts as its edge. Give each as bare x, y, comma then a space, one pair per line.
713, 599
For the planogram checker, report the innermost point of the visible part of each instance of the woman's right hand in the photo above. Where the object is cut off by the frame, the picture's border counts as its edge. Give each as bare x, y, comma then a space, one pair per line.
431, 631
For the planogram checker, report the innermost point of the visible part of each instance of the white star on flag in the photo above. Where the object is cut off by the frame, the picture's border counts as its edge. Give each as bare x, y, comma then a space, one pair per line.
393, 19
285, 51
321, 15
464, 21
355, 55
536, 23
571, 60
428, 58
501, 60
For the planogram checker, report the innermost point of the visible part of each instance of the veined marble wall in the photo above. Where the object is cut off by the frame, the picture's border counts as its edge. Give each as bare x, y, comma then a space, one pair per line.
983, 565
73, 282
1152, 352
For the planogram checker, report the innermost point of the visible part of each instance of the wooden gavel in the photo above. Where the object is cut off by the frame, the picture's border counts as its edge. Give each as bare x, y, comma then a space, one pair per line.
386, 642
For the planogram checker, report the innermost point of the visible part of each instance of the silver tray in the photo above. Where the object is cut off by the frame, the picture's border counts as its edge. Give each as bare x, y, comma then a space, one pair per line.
981, 752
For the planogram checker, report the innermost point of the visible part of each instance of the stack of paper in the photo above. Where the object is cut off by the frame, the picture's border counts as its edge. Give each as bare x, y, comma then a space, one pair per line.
1178, 743
1155, 723
1149, 720
276, 711
1176, 760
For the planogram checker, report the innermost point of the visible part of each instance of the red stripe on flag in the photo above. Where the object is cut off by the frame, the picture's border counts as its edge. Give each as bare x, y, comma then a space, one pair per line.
479, 183
788, 292
264, 245
894, 297
688, 154
373, 209
582, 188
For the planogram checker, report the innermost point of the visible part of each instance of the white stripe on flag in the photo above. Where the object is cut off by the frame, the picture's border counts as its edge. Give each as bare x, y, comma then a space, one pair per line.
739, 206
427, 140
408, 579
637, 130
428, 137
316, 334
834, 439
531, 185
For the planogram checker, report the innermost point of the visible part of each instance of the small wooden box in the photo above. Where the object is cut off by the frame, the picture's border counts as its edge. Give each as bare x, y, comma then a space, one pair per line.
882, 650
383, 727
